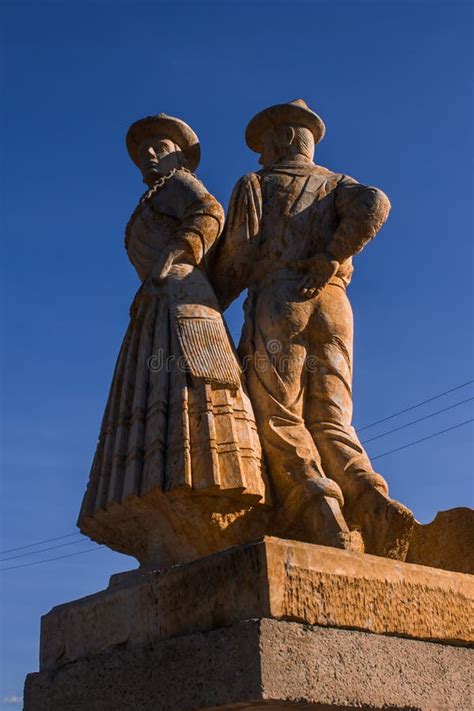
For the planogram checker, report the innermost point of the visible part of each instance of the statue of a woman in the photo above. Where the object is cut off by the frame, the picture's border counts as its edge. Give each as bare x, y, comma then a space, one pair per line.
178, 425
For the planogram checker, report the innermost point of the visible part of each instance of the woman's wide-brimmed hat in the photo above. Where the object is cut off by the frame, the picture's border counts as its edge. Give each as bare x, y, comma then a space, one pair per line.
170, 127
294, 113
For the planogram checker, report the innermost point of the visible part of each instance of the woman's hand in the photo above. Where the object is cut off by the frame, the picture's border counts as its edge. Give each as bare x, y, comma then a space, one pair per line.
165, 262
178, 250
317, 272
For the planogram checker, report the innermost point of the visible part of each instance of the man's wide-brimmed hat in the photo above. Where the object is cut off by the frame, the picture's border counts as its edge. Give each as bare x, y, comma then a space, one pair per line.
170, 127
294, 113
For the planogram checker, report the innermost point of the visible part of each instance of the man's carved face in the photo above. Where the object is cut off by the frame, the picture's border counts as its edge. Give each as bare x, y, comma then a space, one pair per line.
156, 157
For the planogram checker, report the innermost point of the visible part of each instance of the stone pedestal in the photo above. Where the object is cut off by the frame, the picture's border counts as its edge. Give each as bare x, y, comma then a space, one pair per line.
274, 623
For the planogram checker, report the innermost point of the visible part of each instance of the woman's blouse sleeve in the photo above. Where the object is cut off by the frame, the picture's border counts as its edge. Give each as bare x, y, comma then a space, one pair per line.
202, 217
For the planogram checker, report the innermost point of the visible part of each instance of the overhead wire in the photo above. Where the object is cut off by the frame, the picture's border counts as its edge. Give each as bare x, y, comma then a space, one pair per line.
44, 550
360, 429
423, 439
39, 543
49, 560
413, 407
420, 419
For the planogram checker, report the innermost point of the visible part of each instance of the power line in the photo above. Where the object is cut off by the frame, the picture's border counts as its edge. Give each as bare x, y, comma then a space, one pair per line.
423, 439
360, 429
39, 543
420, 419
48, 560
43, 550
413, 407
379, 456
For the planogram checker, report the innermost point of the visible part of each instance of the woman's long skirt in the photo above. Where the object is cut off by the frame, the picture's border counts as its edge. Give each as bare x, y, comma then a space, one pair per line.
166, 428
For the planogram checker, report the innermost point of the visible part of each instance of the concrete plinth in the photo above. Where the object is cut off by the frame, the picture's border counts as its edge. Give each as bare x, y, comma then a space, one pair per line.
274, 623
261, 662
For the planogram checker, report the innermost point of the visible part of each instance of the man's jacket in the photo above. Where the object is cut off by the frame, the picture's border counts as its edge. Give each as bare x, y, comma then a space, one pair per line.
290, 212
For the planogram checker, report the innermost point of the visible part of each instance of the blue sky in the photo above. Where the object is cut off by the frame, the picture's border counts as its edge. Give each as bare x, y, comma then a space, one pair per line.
392, 82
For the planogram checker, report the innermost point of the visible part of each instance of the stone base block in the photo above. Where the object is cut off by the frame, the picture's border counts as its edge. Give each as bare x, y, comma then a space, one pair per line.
271, 622
447, 542
262, 663
271, 578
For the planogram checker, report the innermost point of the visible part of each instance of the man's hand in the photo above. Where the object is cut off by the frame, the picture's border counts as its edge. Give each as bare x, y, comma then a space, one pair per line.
317, 272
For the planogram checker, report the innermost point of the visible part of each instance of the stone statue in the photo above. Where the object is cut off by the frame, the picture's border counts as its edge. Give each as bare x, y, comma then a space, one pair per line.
178, 470
291, 232
178, 462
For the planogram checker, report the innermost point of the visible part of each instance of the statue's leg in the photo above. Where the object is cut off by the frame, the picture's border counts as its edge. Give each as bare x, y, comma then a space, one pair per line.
274, 366
385, 524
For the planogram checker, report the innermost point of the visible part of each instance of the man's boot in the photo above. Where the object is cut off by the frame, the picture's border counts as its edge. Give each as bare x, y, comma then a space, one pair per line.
385, 524
312, 512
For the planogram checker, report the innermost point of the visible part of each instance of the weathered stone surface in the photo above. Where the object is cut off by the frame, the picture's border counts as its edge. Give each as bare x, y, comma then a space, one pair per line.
163, 529
271, 578
291, 231
265, 663
178, 469
447, 542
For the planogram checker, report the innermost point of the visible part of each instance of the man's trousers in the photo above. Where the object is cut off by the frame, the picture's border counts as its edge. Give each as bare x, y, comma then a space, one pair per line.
297, 355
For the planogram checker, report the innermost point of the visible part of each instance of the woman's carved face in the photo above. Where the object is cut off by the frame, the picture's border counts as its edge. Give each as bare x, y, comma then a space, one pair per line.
157, 156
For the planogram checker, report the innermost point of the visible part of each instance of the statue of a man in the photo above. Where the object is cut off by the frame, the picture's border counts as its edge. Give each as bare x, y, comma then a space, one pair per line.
291, 232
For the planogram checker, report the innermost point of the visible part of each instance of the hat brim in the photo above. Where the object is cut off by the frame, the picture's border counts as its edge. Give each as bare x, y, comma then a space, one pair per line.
172, 128
282, 114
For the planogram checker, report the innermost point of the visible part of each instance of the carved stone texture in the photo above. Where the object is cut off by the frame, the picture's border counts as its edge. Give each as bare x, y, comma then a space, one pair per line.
275, 621
263, 664
291, 231
271, 578
447, 542
178, 468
